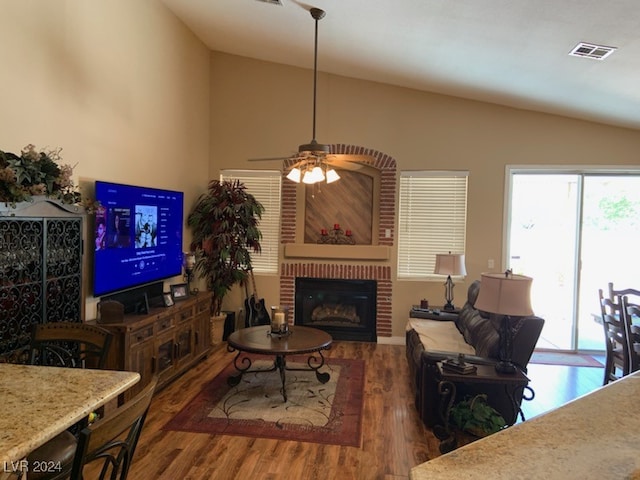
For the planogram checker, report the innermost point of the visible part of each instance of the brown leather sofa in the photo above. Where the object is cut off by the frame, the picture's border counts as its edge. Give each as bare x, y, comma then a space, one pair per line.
476, 334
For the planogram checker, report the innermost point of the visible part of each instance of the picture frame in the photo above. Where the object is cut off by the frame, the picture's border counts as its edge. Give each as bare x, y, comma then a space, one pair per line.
168, 299
179, 291
141, 306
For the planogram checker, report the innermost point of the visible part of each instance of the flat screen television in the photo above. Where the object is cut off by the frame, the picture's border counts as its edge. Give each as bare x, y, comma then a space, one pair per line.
138, 236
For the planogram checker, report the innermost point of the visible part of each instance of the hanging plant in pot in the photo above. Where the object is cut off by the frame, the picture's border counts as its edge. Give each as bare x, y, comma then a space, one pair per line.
224, 223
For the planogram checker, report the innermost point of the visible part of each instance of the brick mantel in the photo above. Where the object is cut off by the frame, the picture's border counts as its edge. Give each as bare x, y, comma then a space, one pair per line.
346, 269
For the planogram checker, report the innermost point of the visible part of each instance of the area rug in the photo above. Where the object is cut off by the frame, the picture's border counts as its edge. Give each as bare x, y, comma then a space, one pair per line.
329, 413
562, 358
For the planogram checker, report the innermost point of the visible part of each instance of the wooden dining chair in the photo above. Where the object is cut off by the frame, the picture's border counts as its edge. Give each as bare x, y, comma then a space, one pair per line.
617, 357
69, 344
632, 299
632, 294
65, 344
106, 447
629, 311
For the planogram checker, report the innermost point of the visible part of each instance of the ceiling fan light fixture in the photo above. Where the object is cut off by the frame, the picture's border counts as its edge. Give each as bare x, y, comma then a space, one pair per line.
314, 148
308, 178
313, 154
332, 176
294, 175
317, 173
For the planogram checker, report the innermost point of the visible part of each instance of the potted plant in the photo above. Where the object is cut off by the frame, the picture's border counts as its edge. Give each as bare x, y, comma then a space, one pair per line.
477, 417
224, 223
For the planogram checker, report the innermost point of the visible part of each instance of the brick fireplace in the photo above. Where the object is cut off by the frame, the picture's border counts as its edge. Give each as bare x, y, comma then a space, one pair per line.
319, 261
345, 308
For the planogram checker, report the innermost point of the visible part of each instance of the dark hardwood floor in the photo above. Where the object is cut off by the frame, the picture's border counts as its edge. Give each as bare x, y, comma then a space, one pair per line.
555, 385
394, 440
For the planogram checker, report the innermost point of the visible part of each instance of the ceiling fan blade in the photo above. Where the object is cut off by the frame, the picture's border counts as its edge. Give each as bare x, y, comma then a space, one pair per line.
306, 6
267, 159
347, 161
350, 157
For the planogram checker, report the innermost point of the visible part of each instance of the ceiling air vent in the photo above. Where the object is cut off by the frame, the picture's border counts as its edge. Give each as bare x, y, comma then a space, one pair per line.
272, 2
590, 50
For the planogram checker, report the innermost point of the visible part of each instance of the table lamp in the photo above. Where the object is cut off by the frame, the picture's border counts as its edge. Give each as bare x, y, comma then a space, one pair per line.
189, 264
508, 295
449, 264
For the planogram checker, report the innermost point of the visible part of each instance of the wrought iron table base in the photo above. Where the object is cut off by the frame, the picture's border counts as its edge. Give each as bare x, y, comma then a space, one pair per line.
280, 363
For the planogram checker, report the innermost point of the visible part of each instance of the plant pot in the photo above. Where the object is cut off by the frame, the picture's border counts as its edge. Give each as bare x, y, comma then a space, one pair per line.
217, 328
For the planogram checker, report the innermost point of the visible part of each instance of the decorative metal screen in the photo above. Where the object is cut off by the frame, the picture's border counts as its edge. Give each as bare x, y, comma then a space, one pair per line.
41, 267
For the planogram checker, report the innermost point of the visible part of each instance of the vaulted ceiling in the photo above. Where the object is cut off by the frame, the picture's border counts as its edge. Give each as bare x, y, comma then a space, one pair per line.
508, 52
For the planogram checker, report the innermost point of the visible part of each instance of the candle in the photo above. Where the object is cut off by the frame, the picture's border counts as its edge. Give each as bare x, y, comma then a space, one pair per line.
278, 318
323, 232
348, 233
336, 226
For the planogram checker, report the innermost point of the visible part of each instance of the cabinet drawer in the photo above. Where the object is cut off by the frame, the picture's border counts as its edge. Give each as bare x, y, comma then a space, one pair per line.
164, 323
203, 307
139, 336
185, 314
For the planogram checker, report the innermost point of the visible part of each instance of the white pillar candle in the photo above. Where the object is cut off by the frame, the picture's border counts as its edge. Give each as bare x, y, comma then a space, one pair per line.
278, 318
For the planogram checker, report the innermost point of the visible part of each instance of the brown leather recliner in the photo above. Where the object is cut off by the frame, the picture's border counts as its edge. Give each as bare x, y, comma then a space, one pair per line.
482, 332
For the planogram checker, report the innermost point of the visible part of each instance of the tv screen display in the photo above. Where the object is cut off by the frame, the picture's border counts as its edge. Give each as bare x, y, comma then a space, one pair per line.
138, 236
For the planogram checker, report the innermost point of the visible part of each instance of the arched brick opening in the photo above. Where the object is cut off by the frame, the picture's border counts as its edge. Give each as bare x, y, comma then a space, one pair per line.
381, 272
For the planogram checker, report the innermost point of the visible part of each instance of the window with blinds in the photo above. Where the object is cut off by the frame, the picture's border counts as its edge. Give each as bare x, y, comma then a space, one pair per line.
264, 185
432, 218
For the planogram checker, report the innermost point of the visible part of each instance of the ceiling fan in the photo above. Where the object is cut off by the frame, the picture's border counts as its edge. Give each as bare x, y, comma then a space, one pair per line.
313, 162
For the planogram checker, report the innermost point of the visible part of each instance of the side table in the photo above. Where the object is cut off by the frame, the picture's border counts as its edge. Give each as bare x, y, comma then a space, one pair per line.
514, 384
435, 313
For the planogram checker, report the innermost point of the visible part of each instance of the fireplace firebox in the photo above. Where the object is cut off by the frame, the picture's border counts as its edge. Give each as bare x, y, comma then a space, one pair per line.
344, 308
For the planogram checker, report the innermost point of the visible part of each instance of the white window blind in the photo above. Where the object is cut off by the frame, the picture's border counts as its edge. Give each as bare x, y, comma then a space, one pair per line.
432, 218
264, 185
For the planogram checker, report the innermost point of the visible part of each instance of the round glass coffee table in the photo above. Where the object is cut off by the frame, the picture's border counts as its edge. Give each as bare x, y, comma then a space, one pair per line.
298, 341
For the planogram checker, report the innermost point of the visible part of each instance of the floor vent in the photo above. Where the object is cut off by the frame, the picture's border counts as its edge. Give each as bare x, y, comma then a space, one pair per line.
590, 50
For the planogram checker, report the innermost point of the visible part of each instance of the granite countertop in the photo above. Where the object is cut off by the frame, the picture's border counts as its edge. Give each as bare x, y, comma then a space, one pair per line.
594, 436
40, 402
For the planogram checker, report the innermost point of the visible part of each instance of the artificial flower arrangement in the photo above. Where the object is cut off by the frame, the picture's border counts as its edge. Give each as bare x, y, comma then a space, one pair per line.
36, 173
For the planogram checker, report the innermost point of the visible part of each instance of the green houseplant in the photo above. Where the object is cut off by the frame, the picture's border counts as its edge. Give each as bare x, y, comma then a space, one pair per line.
476, 416
224, 224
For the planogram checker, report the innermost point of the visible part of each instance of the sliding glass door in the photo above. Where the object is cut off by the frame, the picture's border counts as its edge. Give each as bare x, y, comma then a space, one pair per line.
573, 233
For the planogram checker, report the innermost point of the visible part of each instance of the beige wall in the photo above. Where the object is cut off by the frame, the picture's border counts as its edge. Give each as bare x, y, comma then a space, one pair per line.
263, 110
132, 96
121, 85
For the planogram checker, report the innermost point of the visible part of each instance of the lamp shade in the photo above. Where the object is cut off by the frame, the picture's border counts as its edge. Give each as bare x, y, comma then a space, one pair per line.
308, 177
505, 294
450, 264
332, 176
318, 176
294, 175
189, 260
